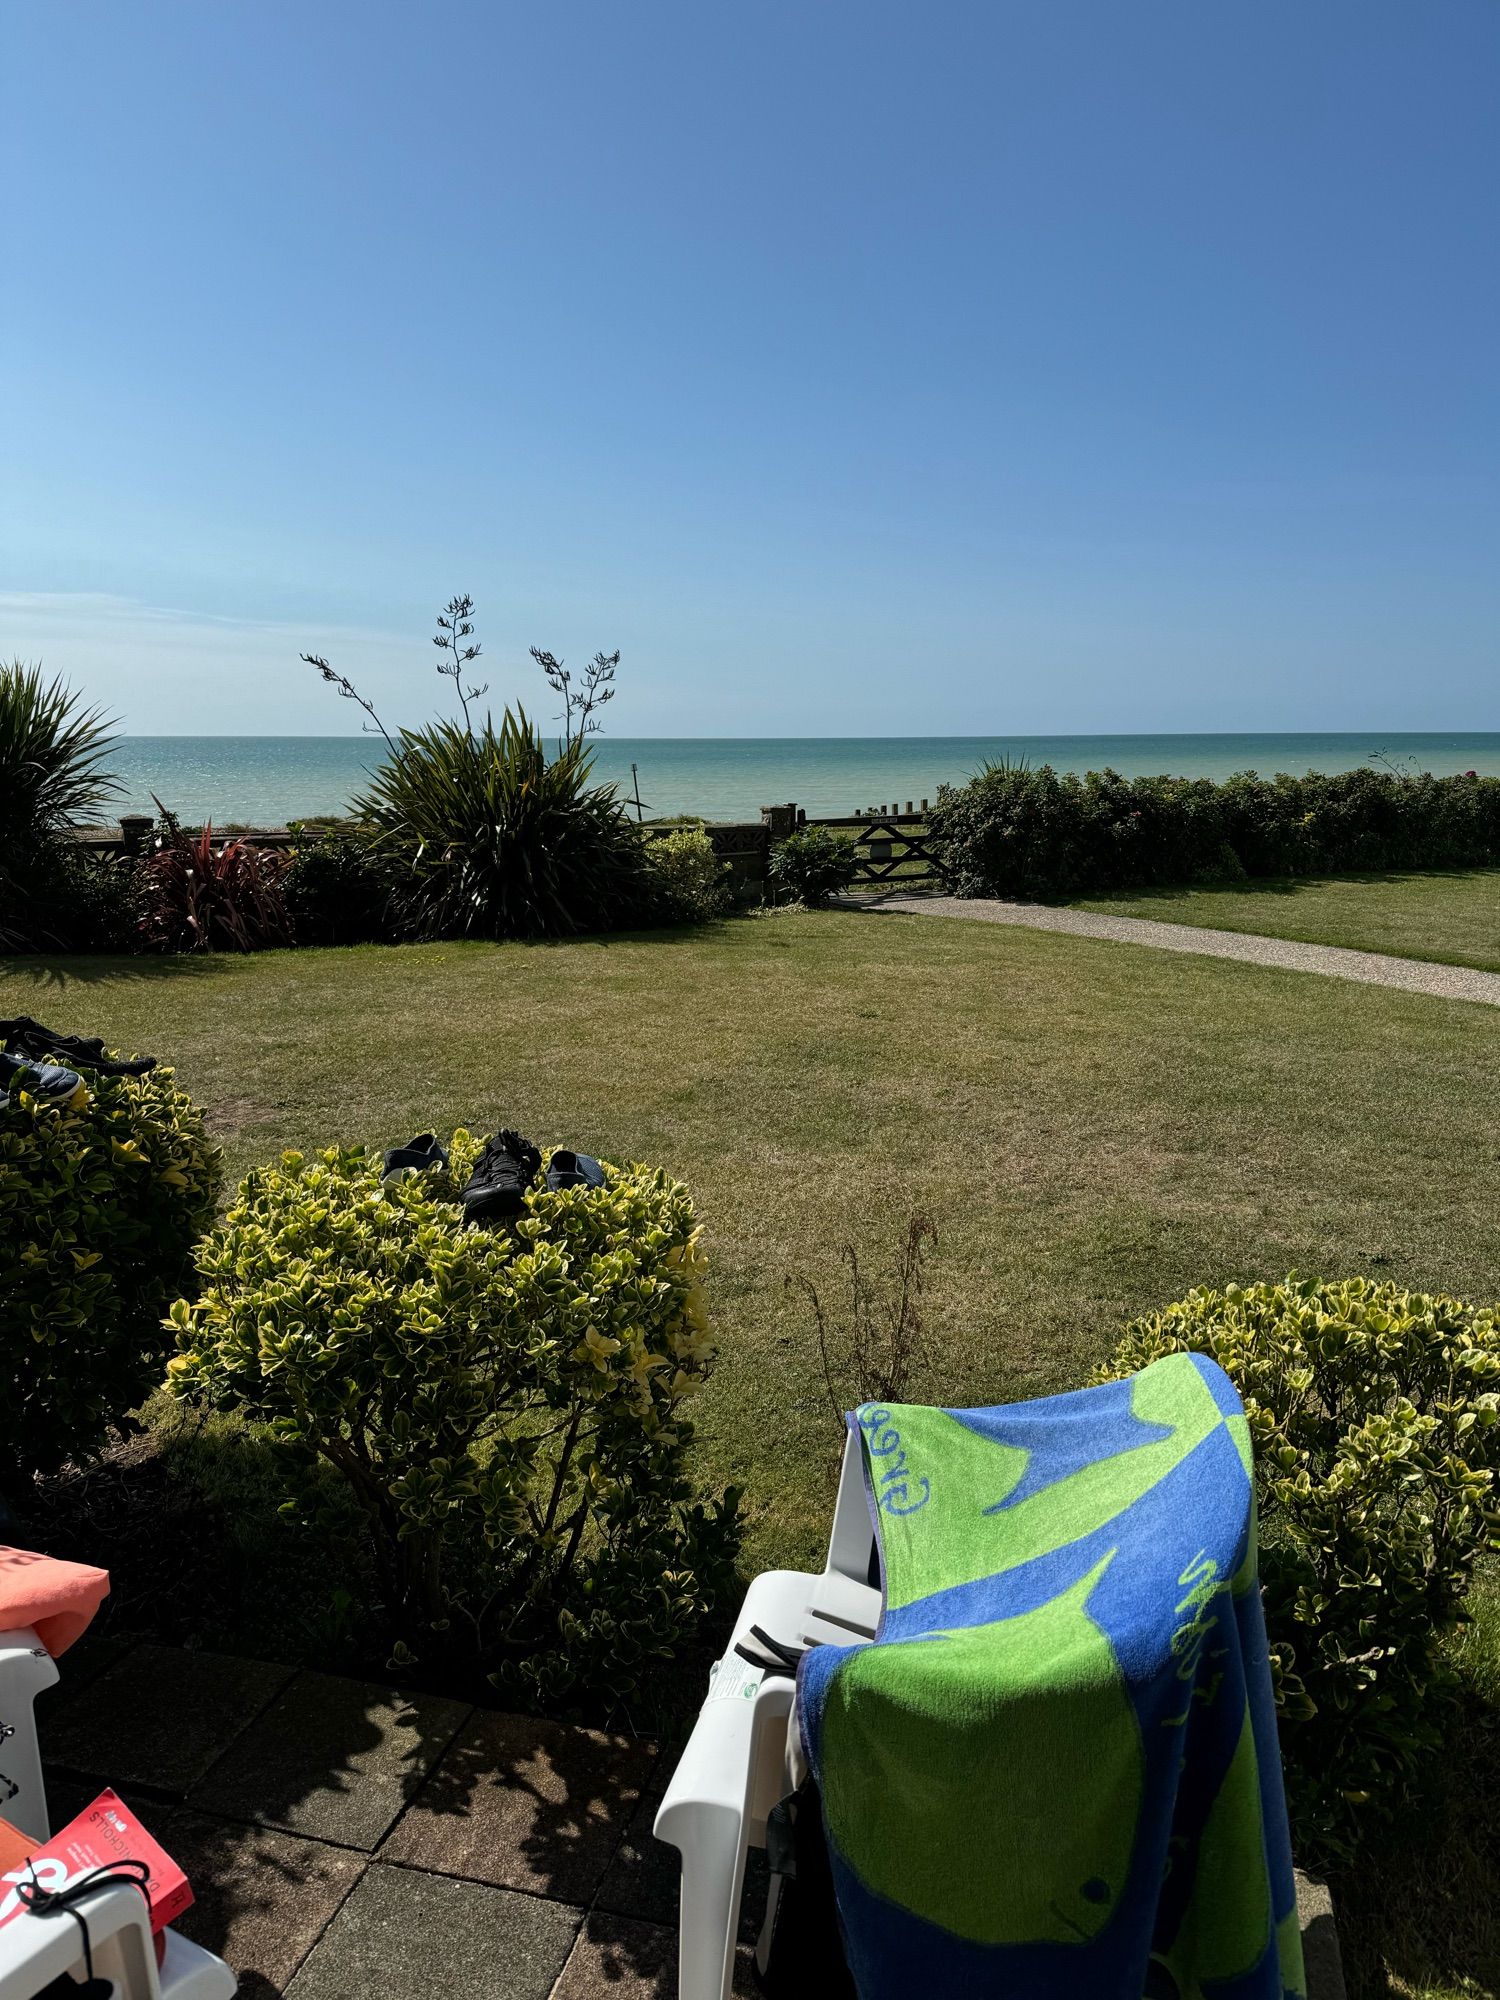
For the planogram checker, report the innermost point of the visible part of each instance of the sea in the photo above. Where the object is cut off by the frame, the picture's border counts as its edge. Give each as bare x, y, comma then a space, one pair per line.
267, 780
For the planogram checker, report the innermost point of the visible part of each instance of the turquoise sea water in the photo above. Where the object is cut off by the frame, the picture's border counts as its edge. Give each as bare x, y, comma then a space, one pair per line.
265, 780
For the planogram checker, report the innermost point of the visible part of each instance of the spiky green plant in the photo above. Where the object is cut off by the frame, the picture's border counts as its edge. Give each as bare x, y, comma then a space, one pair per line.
496, 841
52, 778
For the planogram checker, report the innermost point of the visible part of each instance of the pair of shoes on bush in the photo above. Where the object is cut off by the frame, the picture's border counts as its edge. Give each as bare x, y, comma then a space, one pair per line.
495, 1191
24, 1037
24, 1064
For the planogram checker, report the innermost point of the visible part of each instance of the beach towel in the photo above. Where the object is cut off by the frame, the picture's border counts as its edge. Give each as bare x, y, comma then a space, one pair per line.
1054, 1773
57, 1599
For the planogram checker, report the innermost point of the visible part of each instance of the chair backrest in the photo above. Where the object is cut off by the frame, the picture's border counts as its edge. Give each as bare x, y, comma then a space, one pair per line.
851, 1542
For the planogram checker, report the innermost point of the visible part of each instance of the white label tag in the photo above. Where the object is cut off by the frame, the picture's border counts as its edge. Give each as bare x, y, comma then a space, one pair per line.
733, 1679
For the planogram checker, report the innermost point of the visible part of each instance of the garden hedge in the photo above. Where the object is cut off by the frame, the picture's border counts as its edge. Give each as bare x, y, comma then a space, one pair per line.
100, 1208
1015, 831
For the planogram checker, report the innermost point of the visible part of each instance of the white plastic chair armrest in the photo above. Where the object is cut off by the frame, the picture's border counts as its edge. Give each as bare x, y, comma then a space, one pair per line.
188, 1972
36, 1950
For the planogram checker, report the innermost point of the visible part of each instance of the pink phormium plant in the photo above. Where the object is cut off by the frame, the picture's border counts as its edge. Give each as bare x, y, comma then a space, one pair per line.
199, 895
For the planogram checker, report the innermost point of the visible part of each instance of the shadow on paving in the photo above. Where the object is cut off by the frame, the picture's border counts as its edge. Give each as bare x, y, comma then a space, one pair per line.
342, 1834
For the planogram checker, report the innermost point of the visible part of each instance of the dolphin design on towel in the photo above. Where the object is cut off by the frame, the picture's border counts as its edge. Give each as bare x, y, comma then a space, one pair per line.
1055, 1772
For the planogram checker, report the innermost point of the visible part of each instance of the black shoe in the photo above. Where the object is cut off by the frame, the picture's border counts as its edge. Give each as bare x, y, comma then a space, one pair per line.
25, 1037
565, 1170
504, 1170
418, 1156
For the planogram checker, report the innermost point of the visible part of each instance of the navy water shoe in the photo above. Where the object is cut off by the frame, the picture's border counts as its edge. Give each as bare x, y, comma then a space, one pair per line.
422, 1155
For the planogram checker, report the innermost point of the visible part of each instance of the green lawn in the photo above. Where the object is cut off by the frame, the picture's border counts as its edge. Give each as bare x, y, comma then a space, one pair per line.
1453, 915
1094, 1128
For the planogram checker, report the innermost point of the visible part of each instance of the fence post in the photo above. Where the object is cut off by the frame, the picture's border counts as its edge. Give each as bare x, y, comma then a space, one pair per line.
778, 821
135, 831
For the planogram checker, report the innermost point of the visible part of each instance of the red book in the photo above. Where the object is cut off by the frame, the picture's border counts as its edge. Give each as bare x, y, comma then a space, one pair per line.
105, 1833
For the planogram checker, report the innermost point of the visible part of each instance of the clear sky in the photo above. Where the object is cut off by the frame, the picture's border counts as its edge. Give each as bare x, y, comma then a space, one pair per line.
1074, 365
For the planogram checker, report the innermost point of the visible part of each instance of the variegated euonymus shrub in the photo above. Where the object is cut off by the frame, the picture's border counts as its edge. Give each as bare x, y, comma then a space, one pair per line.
99, 1210
1375, 1417
505, 1403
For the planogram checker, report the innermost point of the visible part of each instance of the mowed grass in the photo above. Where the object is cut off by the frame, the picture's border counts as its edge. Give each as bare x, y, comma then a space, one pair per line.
1094, 1128
1452, 916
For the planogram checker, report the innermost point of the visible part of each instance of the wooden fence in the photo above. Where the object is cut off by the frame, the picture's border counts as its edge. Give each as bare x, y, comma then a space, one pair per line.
891, 847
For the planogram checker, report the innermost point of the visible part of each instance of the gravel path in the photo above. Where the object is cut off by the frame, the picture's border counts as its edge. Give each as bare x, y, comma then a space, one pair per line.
1374, 968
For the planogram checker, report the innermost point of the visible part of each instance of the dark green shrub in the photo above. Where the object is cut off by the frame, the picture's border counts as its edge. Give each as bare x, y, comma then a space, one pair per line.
813, 864
99, 1212
1013, 831
198, 895
506, 1406
88, 901
686, 881
102, 896
492, 840
1375, 1418
339, 886
51, 780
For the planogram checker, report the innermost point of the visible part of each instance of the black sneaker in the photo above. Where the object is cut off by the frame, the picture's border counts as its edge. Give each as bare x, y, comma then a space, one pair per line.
48, 1083
422, 1155
565, 1170
504, 1170
25, 1037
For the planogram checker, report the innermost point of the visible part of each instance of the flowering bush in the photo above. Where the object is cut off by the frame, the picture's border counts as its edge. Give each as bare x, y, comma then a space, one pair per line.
504, 1404
1375, 1419
99, 1210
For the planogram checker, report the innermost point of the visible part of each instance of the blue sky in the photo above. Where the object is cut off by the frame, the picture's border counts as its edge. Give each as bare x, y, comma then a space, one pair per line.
854, 368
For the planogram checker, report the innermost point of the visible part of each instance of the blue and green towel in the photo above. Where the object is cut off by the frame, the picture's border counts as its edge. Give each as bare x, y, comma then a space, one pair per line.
1054, 1773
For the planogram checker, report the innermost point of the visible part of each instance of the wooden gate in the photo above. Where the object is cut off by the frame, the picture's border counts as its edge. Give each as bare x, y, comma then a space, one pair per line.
893, 851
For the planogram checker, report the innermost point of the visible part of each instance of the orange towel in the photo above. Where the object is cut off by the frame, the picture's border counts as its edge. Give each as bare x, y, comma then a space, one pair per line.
58, 1599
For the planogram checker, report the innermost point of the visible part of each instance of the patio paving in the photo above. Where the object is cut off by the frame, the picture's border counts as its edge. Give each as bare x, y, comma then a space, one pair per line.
344, 1838
374, 1747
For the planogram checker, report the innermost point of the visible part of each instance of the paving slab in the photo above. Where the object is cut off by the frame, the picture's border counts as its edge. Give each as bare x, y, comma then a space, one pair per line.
332, 1759
264, 1898
617, 1958
644, 1879
159, 1717
405, 1936
83, 1662
525, 1804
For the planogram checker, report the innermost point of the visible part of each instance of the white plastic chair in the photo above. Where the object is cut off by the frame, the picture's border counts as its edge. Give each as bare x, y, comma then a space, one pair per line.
26, 1668
734, 1769
35, 1950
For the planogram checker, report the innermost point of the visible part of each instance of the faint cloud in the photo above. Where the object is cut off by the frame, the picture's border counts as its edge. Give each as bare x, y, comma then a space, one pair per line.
163, 671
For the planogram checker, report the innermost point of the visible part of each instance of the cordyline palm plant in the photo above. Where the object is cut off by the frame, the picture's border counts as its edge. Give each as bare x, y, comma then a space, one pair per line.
196, 896
52, 752
496, 840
